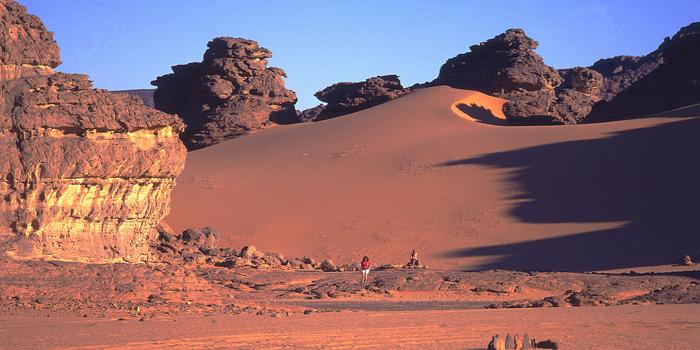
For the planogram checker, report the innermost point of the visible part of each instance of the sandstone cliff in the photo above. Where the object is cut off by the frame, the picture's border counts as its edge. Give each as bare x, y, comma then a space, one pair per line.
84, 174
230, 93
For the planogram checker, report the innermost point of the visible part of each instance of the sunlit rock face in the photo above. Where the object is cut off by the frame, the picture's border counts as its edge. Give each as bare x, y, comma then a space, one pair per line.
84, 174
26, 47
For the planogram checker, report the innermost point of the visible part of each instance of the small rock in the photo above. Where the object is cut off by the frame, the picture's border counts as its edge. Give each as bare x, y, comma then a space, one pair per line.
328, 266
248, 252
686, 260
547, 344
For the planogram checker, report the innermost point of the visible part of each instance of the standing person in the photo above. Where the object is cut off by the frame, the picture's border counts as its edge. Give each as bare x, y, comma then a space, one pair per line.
364, 265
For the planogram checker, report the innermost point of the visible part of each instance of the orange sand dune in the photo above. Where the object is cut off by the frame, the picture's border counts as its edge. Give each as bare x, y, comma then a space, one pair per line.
413, 173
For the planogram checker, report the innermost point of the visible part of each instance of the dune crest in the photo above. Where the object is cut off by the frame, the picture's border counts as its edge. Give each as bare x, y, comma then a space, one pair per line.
411, 174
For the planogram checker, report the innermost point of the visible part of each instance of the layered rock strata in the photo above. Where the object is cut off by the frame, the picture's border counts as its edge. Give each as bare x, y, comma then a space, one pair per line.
84, 174
230, 93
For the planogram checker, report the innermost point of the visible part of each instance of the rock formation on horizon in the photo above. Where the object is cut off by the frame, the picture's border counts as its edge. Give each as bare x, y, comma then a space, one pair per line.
346, 97
507, 66
84, 174
145, 95
674, 83
230, 93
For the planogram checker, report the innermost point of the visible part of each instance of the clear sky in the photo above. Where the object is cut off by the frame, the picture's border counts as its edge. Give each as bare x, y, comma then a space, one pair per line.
124, 44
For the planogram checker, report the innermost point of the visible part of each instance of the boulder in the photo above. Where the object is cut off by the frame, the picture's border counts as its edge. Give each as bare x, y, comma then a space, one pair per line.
248, 252
345, 98
328, 266
230, 93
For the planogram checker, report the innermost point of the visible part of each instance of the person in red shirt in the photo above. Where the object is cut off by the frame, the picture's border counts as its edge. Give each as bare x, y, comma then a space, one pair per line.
365, 269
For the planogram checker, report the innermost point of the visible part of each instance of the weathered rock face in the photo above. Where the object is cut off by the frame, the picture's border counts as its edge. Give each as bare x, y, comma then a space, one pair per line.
229, 94
84, 174
673, 84
508, 67
503, 64
622, 71
344, 98
26, 47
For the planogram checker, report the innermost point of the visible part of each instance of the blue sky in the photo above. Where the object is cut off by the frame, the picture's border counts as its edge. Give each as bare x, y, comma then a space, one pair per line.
124, 44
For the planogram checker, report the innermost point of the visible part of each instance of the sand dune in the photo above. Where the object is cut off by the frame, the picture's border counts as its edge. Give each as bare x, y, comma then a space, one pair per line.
413, 173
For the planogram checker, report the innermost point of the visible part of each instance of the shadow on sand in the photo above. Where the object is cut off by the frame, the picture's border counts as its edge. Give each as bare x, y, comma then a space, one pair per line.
648, 178
480, 114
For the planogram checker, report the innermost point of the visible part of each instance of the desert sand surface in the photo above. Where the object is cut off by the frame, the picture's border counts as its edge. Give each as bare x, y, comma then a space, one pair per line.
433, 170
620, 327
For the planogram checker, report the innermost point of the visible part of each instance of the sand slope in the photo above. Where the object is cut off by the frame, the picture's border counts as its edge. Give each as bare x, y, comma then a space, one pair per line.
416, 173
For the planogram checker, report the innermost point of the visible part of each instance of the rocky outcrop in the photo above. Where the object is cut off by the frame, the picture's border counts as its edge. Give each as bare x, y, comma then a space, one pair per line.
26, 47
84, 174
622, 71
145, 95
229, 94
673, 84
507, 66
345, 98
310, 114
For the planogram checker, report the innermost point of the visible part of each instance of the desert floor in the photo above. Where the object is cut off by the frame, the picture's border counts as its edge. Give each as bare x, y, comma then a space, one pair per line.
614, 327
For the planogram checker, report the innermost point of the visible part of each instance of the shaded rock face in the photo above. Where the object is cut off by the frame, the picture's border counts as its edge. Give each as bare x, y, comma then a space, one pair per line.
622, 71
345, 98
229, 94
26, 47
84, 174
673, 84
507, 67
310, 114
349, 97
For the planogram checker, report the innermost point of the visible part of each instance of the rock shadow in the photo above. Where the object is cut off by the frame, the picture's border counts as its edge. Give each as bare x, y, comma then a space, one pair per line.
481, 114
647, 178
